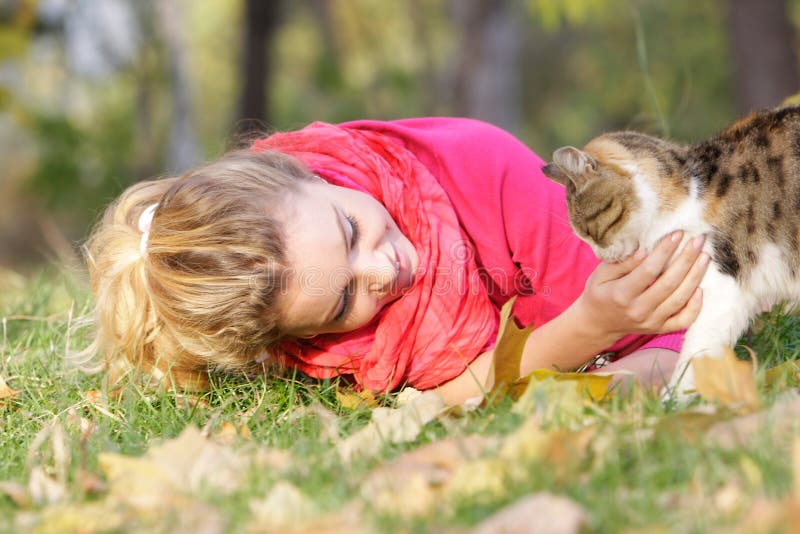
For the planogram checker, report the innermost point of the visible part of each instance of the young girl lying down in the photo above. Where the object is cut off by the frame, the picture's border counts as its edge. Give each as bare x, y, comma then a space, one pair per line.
379, 250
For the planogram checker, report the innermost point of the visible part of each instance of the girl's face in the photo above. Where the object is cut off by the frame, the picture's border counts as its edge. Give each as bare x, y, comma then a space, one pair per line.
347, 260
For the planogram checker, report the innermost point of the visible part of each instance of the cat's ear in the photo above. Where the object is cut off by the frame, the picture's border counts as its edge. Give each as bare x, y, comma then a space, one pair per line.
556, 173
574, 162
570, 165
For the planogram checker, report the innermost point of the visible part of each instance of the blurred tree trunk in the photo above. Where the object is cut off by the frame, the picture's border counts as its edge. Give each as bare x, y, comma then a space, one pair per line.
261, 22
486, 81
763, 51
183, 151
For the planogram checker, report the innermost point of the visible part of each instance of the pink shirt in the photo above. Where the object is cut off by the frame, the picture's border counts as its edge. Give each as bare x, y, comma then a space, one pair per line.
515, 217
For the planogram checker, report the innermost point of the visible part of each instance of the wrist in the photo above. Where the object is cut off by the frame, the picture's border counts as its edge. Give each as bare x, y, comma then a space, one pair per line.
590, 325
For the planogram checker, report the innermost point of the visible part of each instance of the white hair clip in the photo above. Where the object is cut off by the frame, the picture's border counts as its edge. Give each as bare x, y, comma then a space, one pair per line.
145, 221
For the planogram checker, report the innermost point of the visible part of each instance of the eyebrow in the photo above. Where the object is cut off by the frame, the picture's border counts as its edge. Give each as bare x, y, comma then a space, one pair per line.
331, 314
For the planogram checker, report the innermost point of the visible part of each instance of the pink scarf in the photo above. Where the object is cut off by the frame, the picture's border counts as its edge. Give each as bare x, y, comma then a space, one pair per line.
445, 319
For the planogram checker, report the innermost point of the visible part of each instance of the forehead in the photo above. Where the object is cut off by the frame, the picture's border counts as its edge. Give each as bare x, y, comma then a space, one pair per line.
315, 258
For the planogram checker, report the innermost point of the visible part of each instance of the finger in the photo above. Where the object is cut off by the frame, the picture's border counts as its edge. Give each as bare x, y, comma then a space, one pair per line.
640, 278
613, 271
680, 297
675, 275
685, 317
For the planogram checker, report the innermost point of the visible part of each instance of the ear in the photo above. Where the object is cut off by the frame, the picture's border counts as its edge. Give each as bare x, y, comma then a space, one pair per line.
556, 173
574, 162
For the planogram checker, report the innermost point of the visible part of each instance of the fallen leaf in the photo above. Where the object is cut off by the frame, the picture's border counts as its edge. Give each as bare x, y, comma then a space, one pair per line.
768, 517
788, 371
562, 449
728, 381
388, 425
593, 387
16, 492
508, 350
47, 471
780, 420
6, 393
192, 461
482, 478
43, 488
285, 505
354, 400
541, 513
349, 519
409, 486
226, 434
138, 483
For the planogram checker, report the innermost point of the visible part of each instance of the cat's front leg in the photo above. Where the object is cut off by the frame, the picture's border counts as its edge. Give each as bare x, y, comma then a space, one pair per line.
722, 319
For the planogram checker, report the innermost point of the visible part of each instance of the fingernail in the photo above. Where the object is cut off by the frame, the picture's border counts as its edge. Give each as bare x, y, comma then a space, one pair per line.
676, 236
698, 241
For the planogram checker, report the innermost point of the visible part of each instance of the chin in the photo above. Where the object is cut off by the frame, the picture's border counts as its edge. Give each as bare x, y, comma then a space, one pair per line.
616, 252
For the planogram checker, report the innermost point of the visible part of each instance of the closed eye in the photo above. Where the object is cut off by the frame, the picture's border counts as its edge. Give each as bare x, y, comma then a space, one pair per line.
347, 294
354, 230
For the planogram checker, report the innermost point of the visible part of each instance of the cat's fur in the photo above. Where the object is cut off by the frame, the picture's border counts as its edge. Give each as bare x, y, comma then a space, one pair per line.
626, 190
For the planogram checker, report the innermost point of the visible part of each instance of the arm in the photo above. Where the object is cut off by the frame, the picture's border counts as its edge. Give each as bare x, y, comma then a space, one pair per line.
619, 299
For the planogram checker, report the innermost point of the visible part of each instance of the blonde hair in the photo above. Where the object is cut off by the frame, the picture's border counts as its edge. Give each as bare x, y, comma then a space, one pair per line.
203, 293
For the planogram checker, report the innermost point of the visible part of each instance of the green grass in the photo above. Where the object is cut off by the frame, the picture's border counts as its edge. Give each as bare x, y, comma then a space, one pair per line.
644, 465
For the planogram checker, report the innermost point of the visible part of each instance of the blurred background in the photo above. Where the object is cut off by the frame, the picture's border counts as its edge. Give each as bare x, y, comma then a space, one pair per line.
98, 94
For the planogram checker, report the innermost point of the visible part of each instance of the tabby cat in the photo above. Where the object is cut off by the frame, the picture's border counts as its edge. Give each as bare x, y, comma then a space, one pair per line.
741, 188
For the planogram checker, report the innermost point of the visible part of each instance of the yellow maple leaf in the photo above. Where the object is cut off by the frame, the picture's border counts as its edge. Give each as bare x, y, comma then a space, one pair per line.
727, 380
354, 400
508, 350
591, 386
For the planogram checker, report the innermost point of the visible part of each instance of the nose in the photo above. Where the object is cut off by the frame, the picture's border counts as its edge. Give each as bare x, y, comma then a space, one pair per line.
376, 273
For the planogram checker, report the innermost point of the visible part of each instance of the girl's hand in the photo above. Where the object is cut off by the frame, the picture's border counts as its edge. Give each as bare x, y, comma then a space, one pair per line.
641, 295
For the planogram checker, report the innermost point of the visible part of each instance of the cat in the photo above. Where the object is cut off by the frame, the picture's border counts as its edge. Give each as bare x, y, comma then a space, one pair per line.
741, 188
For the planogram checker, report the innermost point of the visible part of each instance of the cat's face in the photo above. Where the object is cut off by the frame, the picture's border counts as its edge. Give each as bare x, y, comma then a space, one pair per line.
601, 200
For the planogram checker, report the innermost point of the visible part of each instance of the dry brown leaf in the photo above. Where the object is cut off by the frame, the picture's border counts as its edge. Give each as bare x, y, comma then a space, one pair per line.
541, 513
508, 350
727, 380
6, 393
409, 486
388, 425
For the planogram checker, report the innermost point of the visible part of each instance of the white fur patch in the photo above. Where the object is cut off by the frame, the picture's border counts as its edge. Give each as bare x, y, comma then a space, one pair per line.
649, 224
771, 280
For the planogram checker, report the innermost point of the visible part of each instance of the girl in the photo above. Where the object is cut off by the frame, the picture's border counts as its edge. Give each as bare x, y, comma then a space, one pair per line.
379, 250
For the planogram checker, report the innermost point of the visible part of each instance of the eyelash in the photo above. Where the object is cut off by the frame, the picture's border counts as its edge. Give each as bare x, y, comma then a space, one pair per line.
354, 225
346, 296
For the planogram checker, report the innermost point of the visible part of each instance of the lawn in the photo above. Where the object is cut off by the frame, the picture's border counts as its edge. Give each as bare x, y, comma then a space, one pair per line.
285, 454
